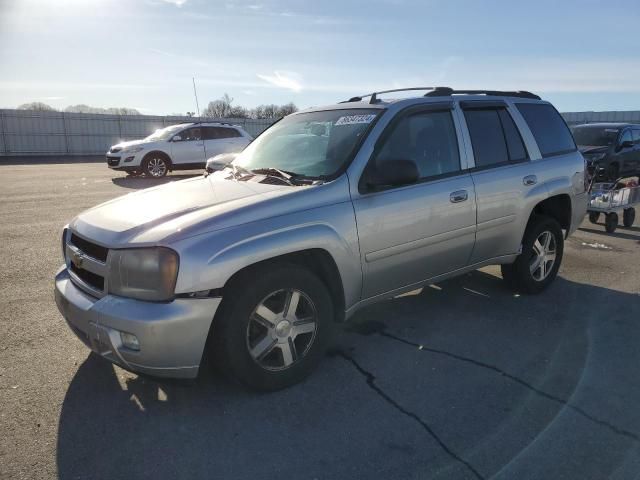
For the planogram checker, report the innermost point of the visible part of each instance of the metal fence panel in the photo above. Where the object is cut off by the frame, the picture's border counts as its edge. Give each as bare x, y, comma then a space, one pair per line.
25, 132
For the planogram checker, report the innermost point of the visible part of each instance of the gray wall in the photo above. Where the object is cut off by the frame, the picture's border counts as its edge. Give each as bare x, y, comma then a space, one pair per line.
24, 132
576, 118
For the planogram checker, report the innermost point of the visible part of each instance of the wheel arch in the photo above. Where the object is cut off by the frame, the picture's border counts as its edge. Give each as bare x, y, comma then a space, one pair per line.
557, 207
318, 260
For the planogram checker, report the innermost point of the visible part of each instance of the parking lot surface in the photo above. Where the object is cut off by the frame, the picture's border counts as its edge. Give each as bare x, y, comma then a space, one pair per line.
463, 379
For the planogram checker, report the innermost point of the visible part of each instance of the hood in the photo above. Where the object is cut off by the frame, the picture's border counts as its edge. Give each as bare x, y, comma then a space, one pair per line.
587, 149
154, 214
122, 145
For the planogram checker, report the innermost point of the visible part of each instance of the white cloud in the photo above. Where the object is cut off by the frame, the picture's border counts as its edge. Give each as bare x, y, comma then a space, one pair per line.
287, 80
177, 3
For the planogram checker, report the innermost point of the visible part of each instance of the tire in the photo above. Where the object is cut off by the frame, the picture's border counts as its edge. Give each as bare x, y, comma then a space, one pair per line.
521, 275
156, 165
255, 348
628, 217
611, 222
594, 217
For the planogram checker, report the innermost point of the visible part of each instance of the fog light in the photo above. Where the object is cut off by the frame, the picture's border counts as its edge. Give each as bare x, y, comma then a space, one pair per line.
130, 341
128, 159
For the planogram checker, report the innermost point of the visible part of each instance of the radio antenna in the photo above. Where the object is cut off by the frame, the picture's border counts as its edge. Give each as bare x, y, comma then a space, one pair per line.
195, 94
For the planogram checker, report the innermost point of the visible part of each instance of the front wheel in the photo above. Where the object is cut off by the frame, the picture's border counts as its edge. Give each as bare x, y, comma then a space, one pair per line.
611, 222
594, 217
628, 217
538, 264
274, 327
155, 166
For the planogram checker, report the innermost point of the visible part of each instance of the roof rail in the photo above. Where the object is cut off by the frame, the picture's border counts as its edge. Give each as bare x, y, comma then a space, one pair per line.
446, 91
374, 95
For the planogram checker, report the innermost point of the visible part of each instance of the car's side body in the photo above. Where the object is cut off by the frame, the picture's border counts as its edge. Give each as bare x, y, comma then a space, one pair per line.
365, 244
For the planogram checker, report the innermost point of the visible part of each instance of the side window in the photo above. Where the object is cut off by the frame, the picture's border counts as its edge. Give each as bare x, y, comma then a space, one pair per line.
427, 138
191, 134
515, 145
636, 136
487, 138
625, 137
224, 132
548, 128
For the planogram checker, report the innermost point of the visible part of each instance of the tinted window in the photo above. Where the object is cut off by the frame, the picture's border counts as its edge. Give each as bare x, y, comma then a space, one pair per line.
595, 136
636, 136
548, 128
487, 139
626, 137
215, 133
429, 139
190, 134
517, 152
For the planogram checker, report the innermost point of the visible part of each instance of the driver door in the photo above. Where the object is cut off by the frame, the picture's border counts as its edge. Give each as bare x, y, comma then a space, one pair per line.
415, 232
187, 147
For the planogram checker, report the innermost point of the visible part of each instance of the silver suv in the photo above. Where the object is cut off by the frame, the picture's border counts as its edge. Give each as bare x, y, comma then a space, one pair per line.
327, 211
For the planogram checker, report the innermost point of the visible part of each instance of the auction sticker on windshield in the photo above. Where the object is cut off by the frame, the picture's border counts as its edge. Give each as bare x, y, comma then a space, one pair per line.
353, 119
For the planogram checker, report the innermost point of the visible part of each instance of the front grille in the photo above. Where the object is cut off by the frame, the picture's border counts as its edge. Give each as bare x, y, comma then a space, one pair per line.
90, 278
91, 249
113, 161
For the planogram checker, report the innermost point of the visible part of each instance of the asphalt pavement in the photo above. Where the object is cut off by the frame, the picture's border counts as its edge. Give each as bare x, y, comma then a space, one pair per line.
462, 379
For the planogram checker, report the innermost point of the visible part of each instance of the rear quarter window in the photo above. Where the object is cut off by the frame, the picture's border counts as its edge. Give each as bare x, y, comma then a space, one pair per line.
548, 128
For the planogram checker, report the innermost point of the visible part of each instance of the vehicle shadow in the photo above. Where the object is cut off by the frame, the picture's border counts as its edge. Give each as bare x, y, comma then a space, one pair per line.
138, 183
461, 377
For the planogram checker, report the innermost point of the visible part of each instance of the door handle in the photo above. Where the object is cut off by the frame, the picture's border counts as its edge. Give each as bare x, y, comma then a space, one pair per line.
459, 196
530, 180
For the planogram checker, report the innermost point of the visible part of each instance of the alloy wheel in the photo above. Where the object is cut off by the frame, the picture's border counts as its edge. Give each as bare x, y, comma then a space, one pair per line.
543, 257
282, 329
156, 167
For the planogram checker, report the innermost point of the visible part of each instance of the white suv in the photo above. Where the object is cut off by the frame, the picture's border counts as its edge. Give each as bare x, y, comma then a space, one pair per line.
179, 147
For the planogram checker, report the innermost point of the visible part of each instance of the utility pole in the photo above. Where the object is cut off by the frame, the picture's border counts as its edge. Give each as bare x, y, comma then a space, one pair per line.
195, 94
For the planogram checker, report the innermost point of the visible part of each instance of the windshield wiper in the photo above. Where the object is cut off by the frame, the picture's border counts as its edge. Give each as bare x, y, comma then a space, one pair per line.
289, 177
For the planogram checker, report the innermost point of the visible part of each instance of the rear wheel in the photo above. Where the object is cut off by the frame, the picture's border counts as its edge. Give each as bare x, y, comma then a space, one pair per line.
155, 165
274, 327
538, 264
594, 217
611, 222
628, 217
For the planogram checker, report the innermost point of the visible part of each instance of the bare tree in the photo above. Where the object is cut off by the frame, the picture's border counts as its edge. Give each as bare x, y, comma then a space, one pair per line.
224, 108
82, 108
38, 106
220, 108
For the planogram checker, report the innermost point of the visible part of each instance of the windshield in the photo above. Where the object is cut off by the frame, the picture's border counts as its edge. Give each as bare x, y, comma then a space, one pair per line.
595, 136
165, 133
314, 144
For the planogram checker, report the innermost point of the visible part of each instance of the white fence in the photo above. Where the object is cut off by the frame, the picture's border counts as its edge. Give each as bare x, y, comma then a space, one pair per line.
25, 132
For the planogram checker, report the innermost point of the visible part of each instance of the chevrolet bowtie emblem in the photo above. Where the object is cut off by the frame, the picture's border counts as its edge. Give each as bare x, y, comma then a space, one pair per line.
77, 258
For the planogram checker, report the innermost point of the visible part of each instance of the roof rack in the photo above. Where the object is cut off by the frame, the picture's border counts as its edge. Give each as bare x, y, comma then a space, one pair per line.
374, 95
446, 91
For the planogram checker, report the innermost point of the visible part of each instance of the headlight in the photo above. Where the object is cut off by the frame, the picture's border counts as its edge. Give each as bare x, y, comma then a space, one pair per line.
143, 273
132, 149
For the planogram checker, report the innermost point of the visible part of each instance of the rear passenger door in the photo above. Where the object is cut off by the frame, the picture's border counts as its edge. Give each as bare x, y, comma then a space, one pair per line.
502, 175
222, 140
415, 232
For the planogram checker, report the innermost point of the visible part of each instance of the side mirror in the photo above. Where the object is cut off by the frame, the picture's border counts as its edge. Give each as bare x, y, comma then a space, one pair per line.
625, 144
393, 173
176, 138
219, 162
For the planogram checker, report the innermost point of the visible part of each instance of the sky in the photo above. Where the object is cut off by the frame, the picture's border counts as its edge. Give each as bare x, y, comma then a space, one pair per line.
580, 55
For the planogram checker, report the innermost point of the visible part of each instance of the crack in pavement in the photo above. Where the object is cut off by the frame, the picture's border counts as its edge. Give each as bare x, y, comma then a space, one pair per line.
620, 431
371, 379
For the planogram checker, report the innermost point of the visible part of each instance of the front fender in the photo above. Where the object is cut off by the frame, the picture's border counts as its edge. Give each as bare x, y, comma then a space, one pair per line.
208, 261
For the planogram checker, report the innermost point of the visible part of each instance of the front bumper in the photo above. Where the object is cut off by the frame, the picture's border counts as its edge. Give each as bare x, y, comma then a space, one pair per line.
124, 161
172, 335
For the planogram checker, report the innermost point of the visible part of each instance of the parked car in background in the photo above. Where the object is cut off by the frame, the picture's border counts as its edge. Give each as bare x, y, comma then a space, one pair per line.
612, 150
179, 147
329, 210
